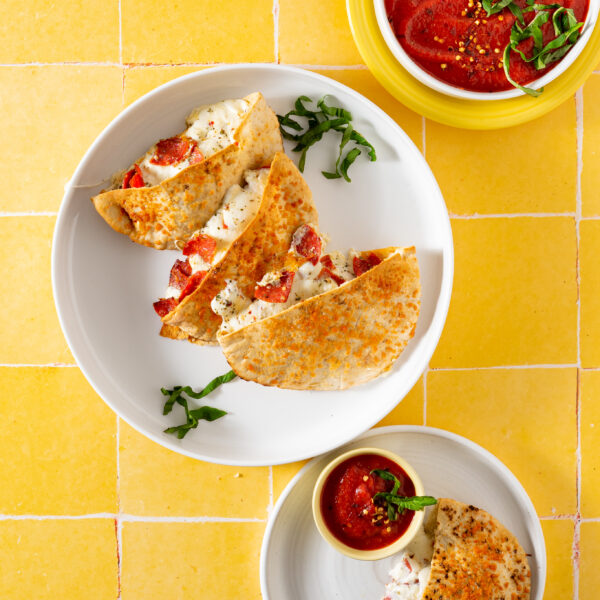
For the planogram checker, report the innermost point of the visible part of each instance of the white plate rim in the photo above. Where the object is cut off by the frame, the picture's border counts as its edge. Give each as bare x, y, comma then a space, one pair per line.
515, 484
60, 295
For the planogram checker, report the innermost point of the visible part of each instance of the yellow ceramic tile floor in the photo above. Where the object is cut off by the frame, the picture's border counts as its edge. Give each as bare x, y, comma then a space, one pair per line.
91, 509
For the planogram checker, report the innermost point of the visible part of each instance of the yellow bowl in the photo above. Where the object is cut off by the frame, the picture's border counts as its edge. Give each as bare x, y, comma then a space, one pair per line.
457, 112
379, 553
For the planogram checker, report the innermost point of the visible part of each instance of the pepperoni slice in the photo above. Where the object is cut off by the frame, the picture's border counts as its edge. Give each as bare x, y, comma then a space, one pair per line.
201, 244
307, 243
362, 265
164, 306
195, 155
193, 282
180, 273
133, 178
328, 270
277, 291
171, 151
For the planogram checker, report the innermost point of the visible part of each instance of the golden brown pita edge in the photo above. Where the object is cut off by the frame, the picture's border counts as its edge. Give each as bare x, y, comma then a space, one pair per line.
170, 212
336, 340
286, 205
474, 556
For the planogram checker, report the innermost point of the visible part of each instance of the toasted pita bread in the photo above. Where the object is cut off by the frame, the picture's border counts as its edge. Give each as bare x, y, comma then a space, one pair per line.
338, 339
285, 205
475, 557
161, 215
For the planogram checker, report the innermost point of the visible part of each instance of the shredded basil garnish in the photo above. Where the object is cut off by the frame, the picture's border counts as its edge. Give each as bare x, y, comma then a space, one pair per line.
396, 503
318, 122
193, 416
566, 32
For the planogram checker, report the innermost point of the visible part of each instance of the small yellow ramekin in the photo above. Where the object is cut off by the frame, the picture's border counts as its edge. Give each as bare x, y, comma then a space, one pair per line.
379, 553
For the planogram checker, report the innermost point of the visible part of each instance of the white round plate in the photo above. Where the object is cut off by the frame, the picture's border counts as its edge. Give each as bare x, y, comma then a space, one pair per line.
104, 285
297, 564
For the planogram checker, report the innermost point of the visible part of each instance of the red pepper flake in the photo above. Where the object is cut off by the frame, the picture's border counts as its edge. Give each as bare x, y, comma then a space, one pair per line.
133, 178
307, 243
171, 151
193, 282
180, 274
203, 245
277, 291
164, 306
362, 265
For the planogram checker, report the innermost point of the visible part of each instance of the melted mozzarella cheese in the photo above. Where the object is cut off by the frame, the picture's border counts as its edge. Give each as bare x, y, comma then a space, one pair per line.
410, 575
212, 127
230, 300
306, 284
240, 205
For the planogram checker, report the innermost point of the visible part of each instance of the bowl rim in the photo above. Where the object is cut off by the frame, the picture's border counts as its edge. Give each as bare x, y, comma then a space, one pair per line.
447, 89
378, 553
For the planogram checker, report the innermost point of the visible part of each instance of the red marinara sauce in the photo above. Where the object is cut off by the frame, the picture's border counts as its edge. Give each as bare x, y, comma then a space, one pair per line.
456, 42
347, 503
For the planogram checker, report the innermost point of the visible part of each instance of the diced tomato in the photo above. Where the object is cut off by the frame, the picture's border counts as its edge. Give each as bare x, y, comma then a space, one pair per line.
171, 151
362, 265
325, 272
203, 245
307, 243
277, 291
180, 274
133, 178
164, 306
328, 270
193, 282
195, 155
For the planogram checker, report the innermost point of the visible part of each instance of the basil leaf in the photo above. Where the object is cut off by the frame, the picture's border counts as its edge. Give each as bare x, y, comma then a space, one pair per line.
348, 160
407, 503
506, 63
204, 413
493, 8
334, 111
385, 474
327, 118
359, 139
207, 413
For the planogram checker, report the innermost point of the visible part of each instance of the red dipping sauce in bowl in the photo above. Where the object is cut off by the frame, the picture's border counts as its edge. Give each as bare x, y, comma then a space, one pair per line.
457, 43
347, 505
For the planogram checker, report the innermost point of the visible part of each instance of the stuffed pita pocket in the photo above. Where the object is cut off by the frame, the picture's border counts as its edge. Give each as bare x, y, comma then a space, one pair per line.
173, 189
325, 321
244, 239
464, 554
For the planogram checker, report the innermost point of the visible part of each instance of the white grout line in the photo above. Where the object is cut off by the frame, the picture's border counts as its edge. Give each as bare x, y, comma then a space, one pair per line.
276, 28
124, 518
36, 366
121, 62
118, 523
578, 207
507, 367
513, 215
271, 499
107, 63
330, 67
425, 372
558, 518
28, 213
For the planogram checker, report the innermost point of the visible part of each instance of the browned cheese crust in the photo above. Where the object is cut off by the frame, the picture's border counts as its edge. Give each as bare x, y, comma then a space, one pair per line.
475, 557
286, 204
344, 337
170, 212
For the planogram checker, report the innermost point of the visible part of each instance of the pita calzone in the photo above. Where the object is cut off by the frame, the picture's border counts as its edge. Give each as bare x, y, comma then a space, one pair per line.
174, 189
